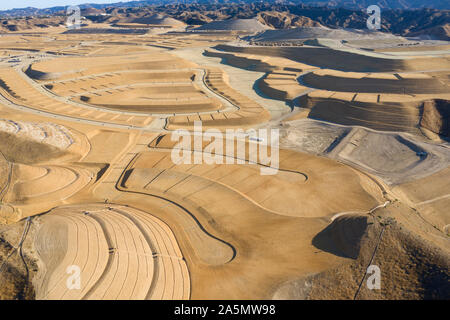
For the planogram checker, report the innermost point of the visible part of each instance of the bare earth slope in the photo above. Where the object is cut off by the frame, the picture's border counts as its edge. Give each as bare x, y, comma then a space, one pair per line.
91, 185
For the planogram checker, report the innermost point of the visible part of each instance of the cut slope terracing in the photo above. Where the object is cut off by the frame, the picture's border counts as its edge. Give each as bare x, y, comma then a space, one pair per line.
202, 190
248, 113
388, 112
297, 177
168, 86
281, 74
122, 253
392, 116
342, 60
48, 133
69, 67
35, 99
180, 98
383, 99
35, 181
245, 25
88, 154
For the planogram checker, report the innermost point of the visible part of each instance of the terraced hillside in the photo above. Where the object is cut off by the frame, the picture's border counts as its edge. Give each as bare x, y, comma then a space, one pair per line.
248, 112
380, 99
120, 176
341, 60
123, 253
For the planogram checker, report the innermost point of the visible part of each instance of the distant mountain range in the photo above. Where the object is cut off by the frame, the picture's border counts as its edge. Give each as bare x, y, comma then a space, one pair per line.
384, 4
347, 4
424, 22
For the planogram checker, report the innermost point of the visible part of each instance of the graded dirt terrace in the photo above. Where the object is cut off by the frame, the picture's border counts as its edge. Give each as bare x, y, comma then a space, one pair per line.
89, 180
391, 101
124, 253
341, 60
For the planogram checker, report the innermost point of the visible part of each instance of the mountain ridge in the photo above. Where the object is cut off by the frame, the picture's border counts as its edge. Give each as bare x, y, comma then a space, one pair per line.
346, 4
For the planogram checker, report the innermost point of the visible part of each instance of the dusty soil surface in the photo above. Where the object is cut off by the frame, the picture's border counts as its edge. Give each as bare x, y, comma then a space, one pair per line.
89, 184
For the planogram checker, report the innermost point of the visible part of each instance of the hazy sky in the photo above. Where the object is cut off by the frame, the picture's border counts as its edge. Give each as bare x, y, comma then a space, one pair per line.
5, 4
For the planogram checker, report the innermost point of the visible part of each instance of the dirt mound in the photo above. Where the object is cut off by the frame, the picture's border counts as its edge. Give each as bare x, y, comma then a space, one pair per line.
157, 19
251, 25
21, 149
436, 116
47, 133
33, 168
362, 83
30, 142
313, 32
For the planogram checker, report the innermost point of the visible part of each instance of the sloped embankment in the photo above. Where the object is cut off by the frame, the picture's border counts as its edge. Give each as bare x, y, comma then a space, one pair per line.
436, 116
410, 266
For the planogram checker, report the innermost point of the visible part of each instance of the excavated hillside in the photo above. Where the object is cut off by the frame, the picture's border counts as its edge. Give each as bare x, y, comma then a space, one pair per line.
436, 116
285, 20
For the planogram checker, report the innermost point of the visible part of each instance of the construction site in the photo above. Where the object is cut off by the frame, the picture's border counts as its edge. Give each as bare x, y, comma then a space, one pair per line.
87, 124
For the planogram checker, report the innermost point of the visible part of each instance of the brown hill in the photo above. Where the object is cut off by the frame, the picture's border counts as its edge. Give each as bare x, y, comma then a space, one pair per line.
194, 18
285, 20
156, 19
441, 32
436, 116
19, 24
